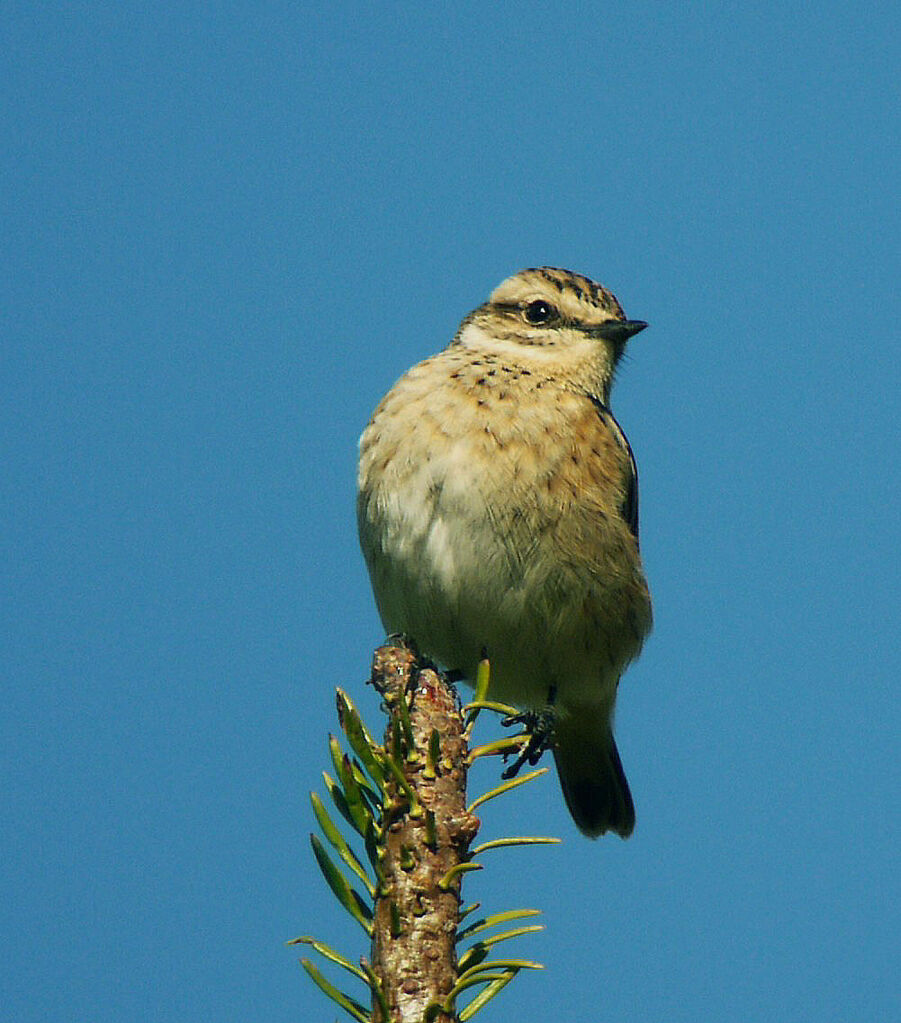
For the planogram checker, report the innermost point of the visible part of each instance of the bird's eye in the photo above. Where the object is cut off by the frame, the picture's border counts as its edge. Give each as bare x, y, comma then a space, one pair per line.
540, 311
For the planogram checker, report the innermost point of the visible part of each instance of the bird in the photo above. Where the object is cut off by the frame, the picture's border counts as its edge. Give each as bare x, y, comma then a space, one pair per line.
497, 509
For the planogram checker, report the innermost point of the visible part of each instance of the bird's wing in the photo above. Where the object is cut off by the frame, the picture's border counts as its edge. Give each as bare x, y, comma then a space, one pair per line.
630, 504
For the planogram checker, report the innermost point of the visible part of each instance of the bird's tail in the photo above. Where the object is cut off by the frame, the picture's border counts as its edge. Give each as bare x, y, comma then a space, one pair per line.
591, 776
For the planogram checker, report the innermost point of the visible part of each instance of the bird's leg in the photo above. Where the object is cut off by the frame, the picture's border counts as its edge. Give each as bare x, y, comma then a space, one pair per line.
402, 639
539, 726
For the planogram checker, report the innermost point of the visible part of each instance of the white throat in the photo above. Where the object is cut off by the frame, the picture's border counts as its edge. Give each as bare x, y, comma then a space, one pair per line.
579, 360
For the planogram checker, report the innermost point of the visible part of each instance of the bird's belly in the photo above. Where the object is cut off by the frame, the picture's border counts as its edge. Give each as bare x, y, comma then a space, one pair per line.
466, 562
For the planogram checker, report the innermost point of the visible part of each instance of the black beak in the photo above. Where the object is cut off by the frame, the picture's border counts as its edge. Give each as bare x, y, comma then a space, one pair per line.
618, 331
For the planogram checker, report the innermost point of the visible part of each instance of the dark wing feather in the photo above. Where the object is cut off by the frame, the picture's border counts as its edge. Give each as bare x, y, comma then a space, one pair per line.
630, 505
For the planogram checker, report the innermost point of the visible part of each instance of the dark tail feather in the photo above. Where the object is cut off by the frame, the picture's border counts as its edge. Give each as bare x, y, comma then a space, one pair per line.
594, 785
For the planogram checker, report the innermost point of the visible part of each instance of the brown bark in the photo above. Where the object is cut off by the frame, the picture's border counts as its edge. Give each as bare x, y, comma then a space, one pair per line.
429, 832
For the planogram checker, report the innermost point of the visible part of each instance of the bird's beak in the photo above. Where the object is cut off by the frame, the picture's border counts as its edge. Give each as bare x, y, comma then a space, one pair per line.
618, 331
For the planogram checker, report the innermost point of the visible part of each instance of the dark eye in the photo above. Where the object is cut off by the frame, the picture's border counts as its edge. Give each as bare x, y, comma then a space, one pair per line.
540, 311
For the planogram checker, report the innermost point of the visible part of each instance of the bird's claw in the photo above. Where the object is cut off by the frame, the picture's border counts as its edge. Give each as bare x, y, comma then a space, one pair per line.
539, 726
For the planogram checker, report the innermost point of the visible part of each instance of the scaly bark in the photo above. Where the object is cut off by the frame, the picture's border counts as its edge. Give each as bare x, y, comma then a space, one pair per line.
428, 834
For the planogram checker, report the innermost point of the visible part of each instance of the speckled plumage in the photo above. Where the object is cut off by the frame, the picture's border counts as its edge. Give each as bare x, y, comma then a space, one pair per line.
498, 510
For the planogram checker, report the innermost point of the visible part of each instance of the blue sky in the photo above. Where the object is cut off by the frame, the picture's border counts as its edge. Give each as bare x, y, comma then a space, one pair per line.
227, 229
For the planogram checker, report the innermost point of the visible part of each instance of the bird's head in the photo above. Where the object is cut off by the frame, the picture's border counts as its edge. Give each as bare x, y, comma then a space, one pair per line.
556, 319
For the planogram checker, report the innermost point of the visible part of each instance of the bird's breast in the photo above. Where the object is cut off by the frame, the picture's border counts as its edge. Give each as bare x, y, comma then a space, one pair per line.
489, 516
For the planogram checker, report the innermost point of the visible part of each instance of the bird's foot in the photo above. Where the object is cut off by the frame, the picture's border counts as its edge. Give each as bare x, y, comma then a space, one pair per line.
539, 726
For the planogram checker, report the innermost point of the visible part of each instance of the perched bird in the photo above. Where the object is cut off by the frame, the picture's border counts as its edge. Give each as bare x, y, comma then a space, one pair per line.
498, 513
